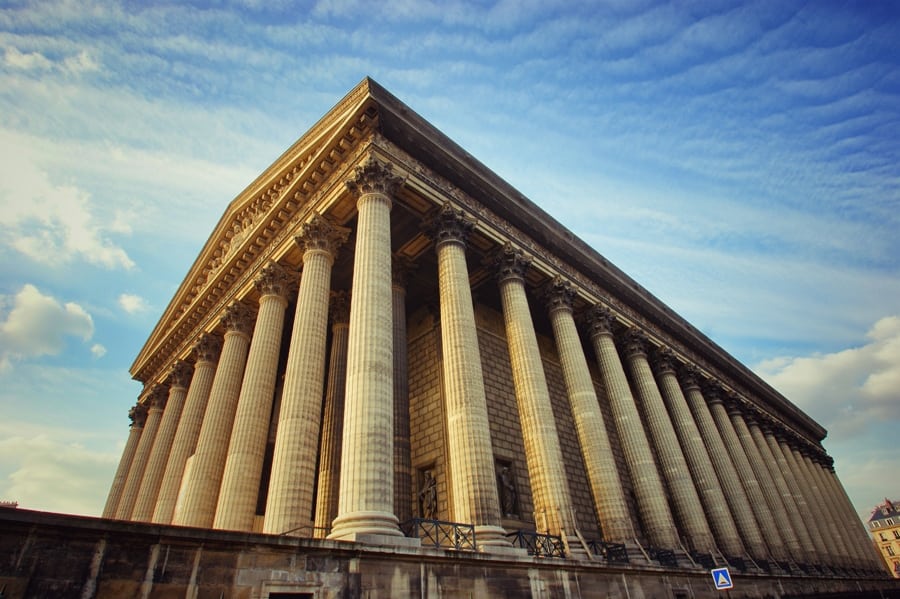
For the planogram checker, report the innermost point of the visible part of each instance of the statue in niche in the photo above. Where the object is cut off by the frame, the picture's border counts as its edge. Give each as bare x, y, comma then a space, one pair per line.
509, 499
428, 496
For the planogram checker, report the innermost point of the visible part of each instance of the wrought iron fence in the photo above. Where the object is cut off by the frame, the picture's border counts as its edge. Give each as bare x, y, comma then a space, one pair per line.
441, 534
665, 557
613, 553
537, 544
703, 559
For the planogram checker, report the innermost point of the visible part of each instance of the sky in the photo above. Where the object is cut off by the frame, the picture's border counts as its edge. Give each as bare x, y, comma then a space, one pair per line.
740, 160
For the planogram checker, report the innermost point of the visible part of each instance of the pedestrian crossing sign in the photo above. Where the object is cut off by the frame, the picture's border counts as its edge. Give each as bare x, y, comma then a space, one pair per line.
722, 579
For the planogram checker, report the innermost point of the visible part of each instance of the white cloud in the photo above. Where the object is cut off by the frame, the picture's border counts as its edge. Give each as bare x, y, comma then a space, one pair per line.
26, 61
50, 223
38, 324
59, 476
847, 390
98, 350
132, 303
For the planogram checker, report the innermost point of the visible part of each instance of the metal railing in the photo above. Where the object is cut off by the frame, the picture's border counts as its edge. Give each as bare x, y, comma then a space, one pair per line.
703, 559
537, 544
441, 534
665, 557
613, 553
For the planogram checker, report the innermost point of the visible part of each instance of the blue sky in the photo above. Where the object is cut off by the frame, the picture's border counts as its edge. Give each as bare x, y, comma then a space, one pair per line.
741, 160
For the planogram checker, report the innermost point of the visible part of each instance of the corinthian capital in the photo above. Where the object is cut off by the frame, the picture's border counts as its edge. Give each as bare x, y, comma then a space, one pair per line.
273, 279
238, 317
180, 375
207, 348
450, 225
321, 234
158, 396
374, 177
511, 263
599, 321
665, 360
558, 294
635, 343
340, 307
138, 415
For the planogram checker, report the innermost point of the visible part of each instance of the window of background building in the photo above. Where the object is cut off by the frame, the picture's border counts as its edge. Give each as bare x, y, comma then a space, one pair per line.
890, 550
883, 538
897, 534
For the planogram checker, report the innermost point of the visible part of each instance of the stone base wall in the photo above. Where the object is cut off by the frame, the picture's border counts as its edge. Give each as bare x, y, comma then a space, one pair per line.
55, 556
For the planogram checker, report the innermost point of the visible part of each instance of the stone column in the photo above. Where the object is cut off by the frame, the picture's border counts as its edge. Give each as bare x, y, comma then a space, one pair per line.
658, 524
697, 456
779, 522
790, 521
156, 401
236, 509
333, 417
596, 451
764, 518
201, 491
735, 495
849, 541
365, 511
291, 485
206, 351
549, 485
822, 498
674, 467
846, 516
138, 415
402, 457
178, 381
470, 457
806, 503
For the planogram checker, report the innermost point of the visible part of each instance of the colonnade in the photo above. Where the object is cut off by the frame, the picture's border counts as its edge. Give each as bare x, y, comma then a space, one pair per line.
705, 472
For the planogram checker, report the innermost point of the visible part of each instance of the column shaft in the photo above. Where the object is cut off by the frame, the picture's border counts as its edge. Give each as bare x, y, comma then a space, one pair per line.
760, 507
291, 486
596, 450
236, 509
333, 418
162, 446
674, 467
402, 457
142, 455
838, 529
138, 415
201, 492
549, 486
658, 523
698, 460
725, 469
474, 495
792, 525
207, 352
367, 458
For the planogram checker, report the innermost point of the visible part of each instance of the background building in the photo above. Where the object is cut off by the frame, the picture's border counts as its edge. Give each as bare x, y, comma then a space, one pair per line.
885, 527
382, 343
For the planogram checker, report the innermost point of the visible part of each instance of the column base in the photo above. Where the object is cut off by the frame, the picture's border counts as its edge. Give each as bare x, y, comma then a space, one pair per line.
354, 526
492, 539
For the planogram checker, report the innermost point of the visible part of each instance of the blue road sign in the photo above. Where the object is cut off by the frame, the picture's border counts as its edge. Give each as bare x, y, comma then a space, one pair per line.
722, 579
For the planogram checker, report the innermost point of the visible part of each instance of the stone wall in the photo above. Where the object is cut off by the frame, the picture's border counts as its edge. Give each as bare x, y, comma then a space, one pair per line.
60, 557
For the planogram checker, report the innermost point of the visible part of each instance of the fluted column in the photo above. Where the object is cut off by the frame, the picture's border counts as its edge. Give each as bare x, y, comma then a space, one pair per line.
138, 415
156, 401
837, 528
178, 381
201, 491
779, 522
333, 417
674, 467
291, 485
367, 456
470, 457
764, 518
206, 351
791, 523
855, 528
735, 494
549, 486
402, 457
236, 509
697, 457
596, 451
658, 523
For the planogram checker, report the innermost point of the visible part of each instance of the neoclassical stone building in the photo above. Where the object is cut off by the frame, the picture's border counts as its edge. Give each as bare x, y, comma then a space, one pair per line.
384, 343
